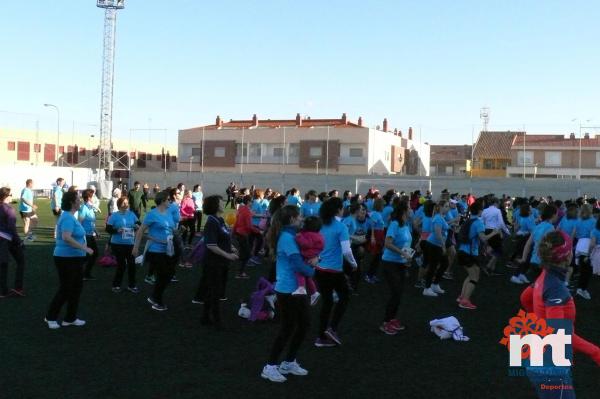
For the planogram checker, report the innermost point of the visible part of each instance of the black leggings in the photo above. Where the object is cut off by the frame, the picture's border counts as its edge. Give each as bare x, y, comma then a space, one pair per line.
164, 269
90, 259
198, 219
394, 275
212, 287
437, 263
70, 275
16, 251
585, 272
327, 283
519, 246
189, 230
125, 260
295, 321
243, 249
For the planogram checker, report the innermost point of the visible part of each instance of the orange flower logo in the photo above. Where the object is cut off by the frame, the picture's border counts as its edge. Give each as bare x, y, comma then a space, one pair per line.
524, 324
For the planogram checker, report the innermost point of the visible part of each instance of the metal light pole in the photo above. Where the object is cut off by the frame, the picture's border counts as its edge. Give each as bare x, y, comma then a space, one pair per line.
327, 161
57, 129
317, 166
242, 159
283, 162
202, 157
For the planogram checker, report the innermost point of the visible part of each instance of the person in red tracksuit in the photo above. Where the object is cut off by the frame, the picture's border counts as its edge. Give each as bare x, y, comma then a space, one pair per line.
242, 229
549, 298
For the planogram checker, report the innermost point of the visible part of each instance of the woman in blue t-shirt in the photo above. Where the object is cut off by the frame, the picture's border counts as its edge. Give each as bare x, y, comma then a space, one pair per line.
359, 228
583, 232
436, 250
121, 226
69, 257
395, 261
87, 218
160, 252
295, 317
376, 240
330, 271
523, 225
530, 252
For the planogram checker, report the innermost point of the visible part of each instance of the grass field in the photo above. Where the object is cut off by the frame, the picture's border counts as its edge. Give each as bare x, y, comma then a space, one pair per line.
129, 351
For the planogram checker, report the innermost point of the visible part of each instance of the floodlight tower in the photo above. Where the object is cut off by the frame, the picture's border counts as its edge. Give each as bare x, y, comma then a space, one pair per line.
108, 69
484, 115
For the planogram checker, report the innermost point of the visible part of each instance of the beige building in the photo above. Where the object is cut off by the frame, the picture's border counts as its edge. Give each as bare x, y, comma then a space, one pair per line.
31, 148
554, 155
301, 146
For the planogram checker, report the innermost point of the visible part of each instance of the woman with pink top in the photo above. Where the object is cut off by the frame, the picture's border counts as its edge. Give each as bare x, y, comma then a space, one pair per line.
311, 243
187, 211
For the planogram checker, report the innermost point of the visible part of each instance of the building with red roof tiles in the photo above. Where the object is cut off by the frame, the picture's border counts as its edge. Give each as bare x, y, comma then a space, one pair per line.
301, 145
555, 155
492, 153
450, 160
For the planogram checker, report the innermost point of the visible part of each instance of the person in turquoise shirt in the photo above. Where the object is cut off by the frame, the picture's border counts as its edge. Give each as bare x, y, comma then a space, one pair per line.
530, 253
435, 251
198, 196
311, 206
395, 261
293, 197
569, 221
294, 308
583, 231
87, 218
69, 258
28, 210
376, 240
122, 226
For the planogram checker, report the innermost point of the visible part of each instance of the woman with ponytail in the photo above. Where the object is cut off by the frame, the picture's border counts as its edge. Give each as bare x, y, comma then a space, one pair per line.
294, 308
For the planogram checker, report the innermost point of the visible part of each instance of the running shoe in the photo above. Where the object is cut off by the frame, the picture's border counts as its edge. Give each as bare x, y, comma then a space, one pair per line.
272, 374
17, 292
437, 289
516, 280
242, 276
197, 302
324, 343
429, 292
159, 308
524, 279
583, 293
466, 304
76, 322
448, 276
134, 290
116, 289
396, 325
420, 284
332, 335
151, 301
292, 368
387, 328
52, 324
314, 298
150, 280
174, 279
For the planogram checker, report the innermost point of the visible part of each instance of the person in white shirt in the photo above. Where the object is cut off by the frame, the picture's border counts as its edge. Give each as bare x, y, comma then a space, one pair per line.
95, 201
492, 220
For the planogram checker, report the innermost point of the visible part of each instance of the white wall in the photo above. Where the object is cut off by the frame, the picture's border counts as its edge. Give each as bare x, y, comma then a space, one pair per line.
44, 177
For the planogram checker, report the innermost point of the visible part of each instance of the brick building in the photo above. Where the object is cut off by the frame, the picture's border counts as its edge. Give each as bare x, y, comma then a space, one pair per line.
450, 160
492, 153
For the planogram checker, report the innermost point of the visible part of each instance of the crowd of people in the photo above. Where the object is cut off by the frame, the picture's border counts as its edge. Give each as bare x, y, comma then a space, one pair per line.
321, 247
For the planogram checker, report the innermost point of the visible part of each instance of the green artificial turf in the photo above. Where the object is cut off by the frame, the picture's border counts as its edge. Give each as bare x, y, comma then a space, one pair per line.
128, 350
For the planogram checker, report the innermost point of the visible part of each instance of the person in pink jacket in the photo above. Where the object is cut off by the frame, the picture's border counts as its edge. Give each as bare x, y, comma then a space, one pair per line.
311, 243
187, 210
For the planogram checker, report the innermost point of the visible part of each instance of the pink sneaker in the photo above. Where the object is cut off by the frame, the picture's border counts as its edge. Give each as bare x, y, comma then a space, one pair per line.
459, 299
466, 304
396, 325
388, 328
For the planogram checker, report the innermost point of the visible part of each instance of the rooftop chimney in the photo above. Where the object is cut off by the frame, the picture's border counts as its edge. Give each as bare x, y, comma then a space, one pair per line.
400, 133
385, 125
254, 120
219, 122
344, 119
410, 133
586, 136
572, 136
360, 121
298, 120
395, 132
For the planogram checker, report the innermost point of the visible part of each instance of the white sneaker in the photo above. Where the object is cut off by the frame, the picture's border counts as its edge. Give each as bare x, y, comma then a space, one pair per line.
53, 325
76, 322
437, 289
272, 373
292, 368
524, 279
584, 294
335, 296
271, 300
299, 291
314, 298
516, 280
429, 292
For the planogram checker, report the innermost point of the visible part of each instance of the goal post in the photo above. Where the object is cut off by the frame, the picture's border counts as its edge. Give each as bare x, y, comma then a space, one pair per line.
362, 186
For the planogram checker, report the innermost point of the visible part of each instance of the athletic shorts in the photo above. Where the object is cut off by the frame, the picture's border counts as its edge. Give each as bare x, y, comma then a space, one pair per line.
55, 213
495, 242
27, 214
466, 260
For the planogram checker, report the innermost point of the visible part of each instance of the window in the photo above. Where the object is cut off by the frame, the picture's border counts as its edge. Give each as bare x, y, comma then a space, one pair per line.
82, 151
173, 158
315, 152
23, 151
11, 146
255, 150
238, 150
49, 150
525, 158
278, 152
149, 157
61, 149
449, 170
197, 152
387, 155
598, 159
219, 152
488, 164
37, 148
552, 158
294, 150
356, 152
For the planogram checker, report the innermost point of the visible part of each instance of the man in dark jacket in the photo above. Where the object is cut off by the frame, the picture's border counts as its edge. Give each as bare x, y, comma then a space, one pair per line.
135, 199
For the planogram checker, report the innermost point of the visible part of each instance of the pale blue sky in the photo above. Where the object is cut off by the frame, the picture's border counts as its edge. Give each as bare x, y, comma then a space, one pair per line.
429, 63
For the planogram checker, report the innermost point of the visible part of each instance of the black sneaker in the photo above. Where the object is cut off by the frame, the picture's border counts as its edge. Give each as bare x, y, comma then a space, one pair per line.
134, 290
160, 308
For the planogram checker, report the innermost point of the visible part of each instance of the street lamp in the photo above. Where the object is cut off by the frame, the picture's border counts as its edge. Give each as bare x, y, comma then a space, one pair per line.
57, 128
317, 166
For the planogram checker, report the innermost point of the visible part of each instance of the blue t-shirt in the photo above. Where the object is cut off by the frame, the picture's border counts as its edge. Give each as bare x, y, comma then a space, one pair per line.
293, 200
438, 221
87, 218
346, 203
259, 207
331, 257
402, 239
198, 198
584, 227
538, 233
26, 194
173, 210
56, 199
386, 213
526, 224
376, 220
355, 227
535, 213
286, 281
426, 224
126, 221
476, 228
369, 204
160, 226
68, 223
567, 225
451, 214
310, 209
420, 212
